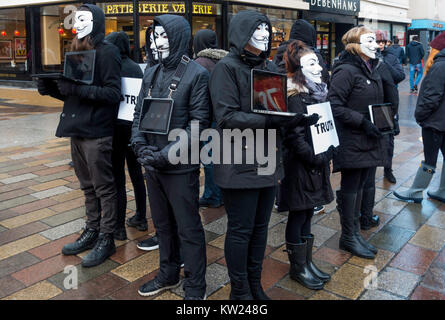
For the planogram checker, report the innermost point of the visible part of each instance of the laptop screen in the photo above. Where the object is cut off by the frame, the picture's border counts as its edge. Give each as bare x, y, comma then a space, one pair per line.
269, 92
382, 116
79, 66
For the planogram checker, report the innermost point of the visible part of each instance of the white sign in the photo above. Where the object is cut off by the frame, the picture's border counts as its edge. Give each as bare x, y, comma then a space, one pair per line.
130, 90
324, 133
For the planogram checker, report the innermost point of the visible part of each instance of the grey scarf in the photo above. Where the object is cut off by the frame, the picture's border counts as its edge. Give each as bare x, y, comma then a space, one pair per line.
319, 91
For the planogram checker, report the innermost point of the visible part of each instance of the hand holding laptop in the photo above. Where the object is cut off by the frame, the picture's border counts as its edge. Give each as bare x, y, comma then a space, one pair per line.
299, 119
66, 88
370, 129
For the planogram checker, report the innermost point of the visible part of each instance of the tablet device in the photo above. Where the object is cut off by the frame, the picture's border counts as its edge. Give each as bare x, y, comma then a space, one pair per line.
156, 115
269, 93
382, 117
78, 67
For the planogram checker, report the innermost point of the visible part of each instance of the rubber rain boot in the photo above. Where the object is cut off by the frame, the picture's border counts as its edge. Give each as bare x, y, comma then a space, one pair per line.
439, 194
421, 182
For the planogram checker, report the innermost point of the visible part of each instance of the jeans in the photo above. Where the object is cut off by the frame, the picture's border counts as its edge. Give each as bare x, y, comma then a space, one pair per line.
412, 69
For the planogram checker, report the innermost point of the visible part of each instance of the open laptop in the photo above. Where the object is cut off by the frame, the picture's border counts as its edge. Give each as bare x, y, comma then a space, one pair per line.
382, 117
78, 67
269, 93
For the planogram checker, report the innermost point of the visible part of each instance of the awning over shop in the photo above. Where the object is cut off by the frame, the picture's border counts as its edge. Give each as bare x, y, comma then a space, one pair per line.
427, 24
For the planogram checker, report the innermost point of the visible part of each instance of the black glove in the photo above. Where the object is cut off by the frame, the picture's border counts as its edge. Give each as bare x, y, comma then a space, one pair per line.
370, 129
43, 86
396, 125
324, 157
146, 151
66, 88
156, 159
300, 119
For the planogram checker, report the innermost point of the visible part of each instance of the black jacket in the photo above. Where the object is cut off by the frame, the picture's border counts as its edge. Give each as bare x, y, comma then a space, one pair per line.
430, 108
305, 32
205, 46
394, 66
129, 69
191, 96
353, 89
92, 112
415, 52
398, 51
230, 92
306, 182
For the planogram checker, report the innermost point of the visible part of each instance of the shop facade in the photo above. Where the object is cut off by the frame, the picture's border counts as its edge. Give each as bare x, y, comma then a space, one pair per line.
36, 34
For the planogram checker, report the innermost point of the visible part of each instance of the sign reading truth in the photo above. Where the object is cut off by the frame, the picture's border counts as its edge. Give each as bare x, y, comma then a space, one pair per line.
347, 7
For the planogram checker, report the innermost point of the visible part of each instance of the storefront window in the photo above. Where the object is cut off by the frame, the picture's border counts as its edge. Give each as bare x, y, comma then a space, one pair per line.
207, 16
399, 31
13, 51
281, 20
56, 34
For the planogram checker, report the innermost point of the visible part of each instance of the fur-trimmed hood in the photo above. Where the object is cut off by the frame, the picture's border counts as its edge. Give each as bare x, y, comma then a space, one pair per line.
215, 54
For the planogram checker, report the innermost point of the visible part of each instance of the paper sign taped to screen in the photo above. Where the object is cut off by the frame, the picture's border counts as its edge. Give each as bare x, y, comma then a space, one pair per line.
324, 133
130, 90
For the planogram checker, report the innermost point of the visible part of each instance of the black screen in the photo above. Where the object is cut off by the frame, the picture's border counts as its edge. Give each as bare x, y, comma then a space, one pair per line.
155, 115
80, 66
383, 117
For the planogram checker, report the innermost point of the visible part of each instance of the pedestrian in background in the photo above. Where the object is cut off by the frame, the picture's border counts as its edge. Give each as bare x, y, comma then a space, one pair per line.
398, 51
355, 84
415, 53
306, 182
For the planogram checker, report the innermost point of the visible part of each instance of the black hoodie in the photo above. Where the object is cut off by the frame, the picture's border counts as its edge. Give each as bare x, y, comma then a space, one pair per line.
130, 69
230, 84
191, 98
92, 111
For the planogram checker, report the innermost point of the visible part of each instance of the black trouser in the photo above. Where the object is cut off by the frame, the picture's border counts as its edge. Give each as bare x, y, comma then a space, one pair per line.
121, 152
390, 149
174, 204
370, 181
433, 141
92, 165
353, 180
298, 224
248, 213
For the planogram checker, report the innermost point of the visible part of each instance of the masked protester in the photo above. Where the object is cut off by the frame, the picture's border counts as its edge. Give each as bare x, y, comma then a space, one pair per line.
430, 111
306, 183
122, 152
88, 117
173, 189
207, 54
247, 193
355, 84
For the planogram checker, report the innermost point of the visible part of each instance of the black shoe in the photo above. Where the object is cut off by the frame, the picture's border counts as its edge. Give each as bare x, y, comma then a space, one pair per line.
415, 88
323, 276
149, 244
153, 287
203, 202
299, 269
87, 240
366, 223
389, 176
240, 290
103, 249
195, 298
120, 234
137, 222
256, 289
318, 210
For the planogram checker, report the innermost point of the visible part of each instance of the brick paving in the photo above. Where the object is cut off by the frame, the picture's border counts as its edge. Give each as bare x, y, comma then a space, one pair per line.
41, 209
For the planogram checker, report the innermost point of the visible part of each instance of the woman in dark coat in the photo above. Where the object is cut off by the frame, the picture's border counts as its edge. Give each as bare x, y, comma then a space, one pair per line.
306, 183
356, 84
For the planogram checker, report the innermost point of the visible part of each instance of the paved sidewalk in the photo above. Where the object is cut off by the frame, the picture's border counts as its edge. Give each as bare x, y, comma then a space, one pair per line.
41, 209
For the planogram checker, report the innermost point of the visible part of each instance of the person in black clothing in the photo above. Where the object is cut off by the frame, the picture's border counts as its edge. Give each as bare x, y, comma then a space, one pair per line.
122, 151
398, 51
305, 32
306, 182
355, 84
173, 189
430, 115
248, 192
88, 117
205, 46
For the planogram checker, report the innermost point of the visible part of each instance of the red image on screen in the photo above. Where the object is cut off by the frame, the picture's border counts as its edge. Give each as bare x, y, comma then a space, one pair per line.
269, 92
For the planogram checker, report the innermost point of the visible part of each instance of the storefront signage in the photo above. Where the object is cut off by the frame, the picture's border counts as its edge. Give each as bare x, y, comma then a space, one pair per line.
158, 8
347, 7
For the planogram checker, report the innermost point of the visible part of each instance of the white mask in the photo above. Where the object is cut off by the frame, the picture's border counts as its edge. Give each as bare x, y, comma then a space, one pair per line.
260, 38
154, 50
368, 45
311, 68
83, 23
162, 45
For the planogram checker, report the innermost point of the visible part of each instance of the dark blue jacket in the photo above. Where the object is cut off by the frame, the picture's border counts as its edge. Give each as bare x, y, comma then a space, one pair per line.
415, 52
394, 65
399, 52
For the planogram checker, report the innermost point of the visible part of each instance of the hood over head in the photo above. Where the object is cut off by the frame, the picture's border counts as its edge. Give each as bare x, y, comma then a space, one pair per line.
179, 35
439, 42
97, 35
205, 39
241, 28
121, 41
303, 31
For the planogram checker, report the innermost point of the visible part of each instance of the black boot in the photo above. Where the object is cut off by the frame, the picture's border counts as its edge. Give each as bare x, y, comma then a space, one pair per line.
240, 290
323, 276
389, 176
102, 250
299, 270
120, 234
349, 240
367, 197
255, 287
367, 219
87, 240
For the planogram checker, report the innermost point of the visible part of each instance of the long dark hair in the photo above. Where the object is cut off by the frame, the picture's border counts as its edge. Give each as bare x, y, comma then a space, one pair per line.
295, 50
82, 44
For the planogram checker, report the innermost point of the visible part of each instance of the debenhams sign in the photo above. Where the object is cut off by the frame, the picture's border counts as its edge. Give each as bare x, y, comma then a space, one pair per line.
349, 7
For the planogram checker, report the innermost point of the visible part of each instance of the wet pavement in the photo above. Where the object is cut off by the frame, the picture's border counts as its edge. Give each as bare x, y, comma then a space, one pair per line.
41, 209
